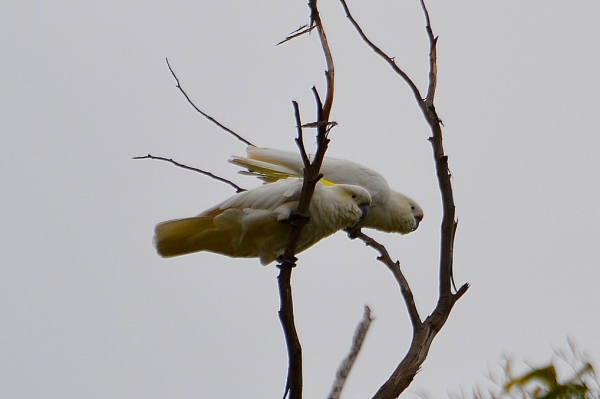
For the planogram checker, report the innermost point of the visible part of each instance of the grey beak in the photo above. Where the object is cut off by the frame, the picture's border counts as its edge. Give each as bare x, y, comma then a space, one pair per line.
417, 221
352, 231
364, 209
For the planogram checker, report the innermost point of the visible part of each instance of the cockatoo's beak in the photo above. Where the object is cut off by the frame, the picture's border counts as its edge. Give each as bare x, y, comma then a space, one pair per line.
364, 209
417, 221
352, 231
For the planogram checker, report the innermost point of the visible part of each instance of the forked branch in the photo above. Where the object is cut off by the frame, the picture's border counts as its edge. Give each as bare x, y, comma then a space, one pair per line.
311, 177
425, 332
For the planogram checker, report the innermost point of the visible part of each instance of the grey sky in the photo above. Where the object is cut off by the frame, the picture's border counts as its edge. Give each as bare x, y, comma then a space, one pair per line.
87, 308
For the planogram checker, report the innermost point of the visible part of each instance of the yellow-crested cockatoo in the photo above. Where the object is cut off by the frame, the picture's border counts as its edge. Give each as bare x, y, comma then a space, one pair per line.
253, 223
390, 211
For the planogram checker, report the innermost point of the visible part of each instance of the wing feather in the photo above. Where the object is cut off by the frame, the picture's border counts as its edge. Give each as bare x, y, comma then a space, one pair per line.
267, 197
390, 211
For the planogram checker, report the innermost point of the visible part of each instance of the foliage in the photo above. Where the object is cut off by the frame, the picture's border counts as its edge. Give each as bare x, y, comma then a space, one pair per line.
543, 383
568, 375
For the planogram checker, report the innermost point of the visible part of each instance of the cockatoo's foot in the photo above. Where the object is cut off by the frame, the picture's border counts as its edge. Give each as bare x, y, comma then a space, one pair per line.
353, 231
295, 219
284, 262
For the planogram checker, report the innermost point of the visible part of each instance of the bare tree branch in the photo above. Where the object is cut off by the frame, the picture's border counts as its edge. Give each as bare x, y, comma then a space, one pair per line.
425, 332
237, 188
294, 378
384, 257
432, 57
346, 366
210, 118
390, 60
299, 220
315, 18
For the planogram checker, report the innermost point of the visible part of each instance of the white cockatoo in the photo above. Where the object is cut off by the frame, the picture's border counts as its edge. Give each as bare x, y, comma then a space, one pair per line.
253, 223
390, 211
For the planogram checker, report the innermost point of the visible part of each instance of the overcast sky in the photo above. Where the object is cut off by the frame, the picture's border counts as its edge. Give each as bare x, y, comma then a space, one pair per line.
87, 307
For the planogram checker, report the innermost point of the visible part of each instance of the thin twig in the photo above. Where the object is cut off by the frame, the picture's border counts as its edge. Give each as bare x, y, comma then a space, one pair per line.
390, 60
394, 267
238, 189
344, 369
323, 111
432, 57
300, 136
298, 32
315, 18
204, 114
320, 108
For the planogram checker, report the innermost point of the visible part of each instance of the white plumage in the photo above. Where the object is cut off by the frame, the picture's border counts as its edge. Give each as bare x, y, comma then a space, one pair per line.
252, 223
390, 211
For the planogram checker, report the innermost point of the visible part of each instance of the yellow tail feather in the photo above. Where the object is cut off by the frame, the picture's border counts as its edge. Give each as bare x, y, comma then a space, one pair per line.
180, 237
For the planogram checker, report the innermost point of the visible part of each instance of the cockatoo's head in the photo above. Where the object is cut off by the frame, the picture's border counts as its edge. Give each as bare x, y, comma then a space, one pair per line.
356, 197
417, 212
398, 214
408, 214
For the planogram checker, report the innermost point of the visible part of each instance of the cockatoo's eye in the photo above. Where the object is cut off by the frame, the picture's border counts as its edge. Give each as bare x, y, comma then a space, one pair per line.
413, 208
353, 196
